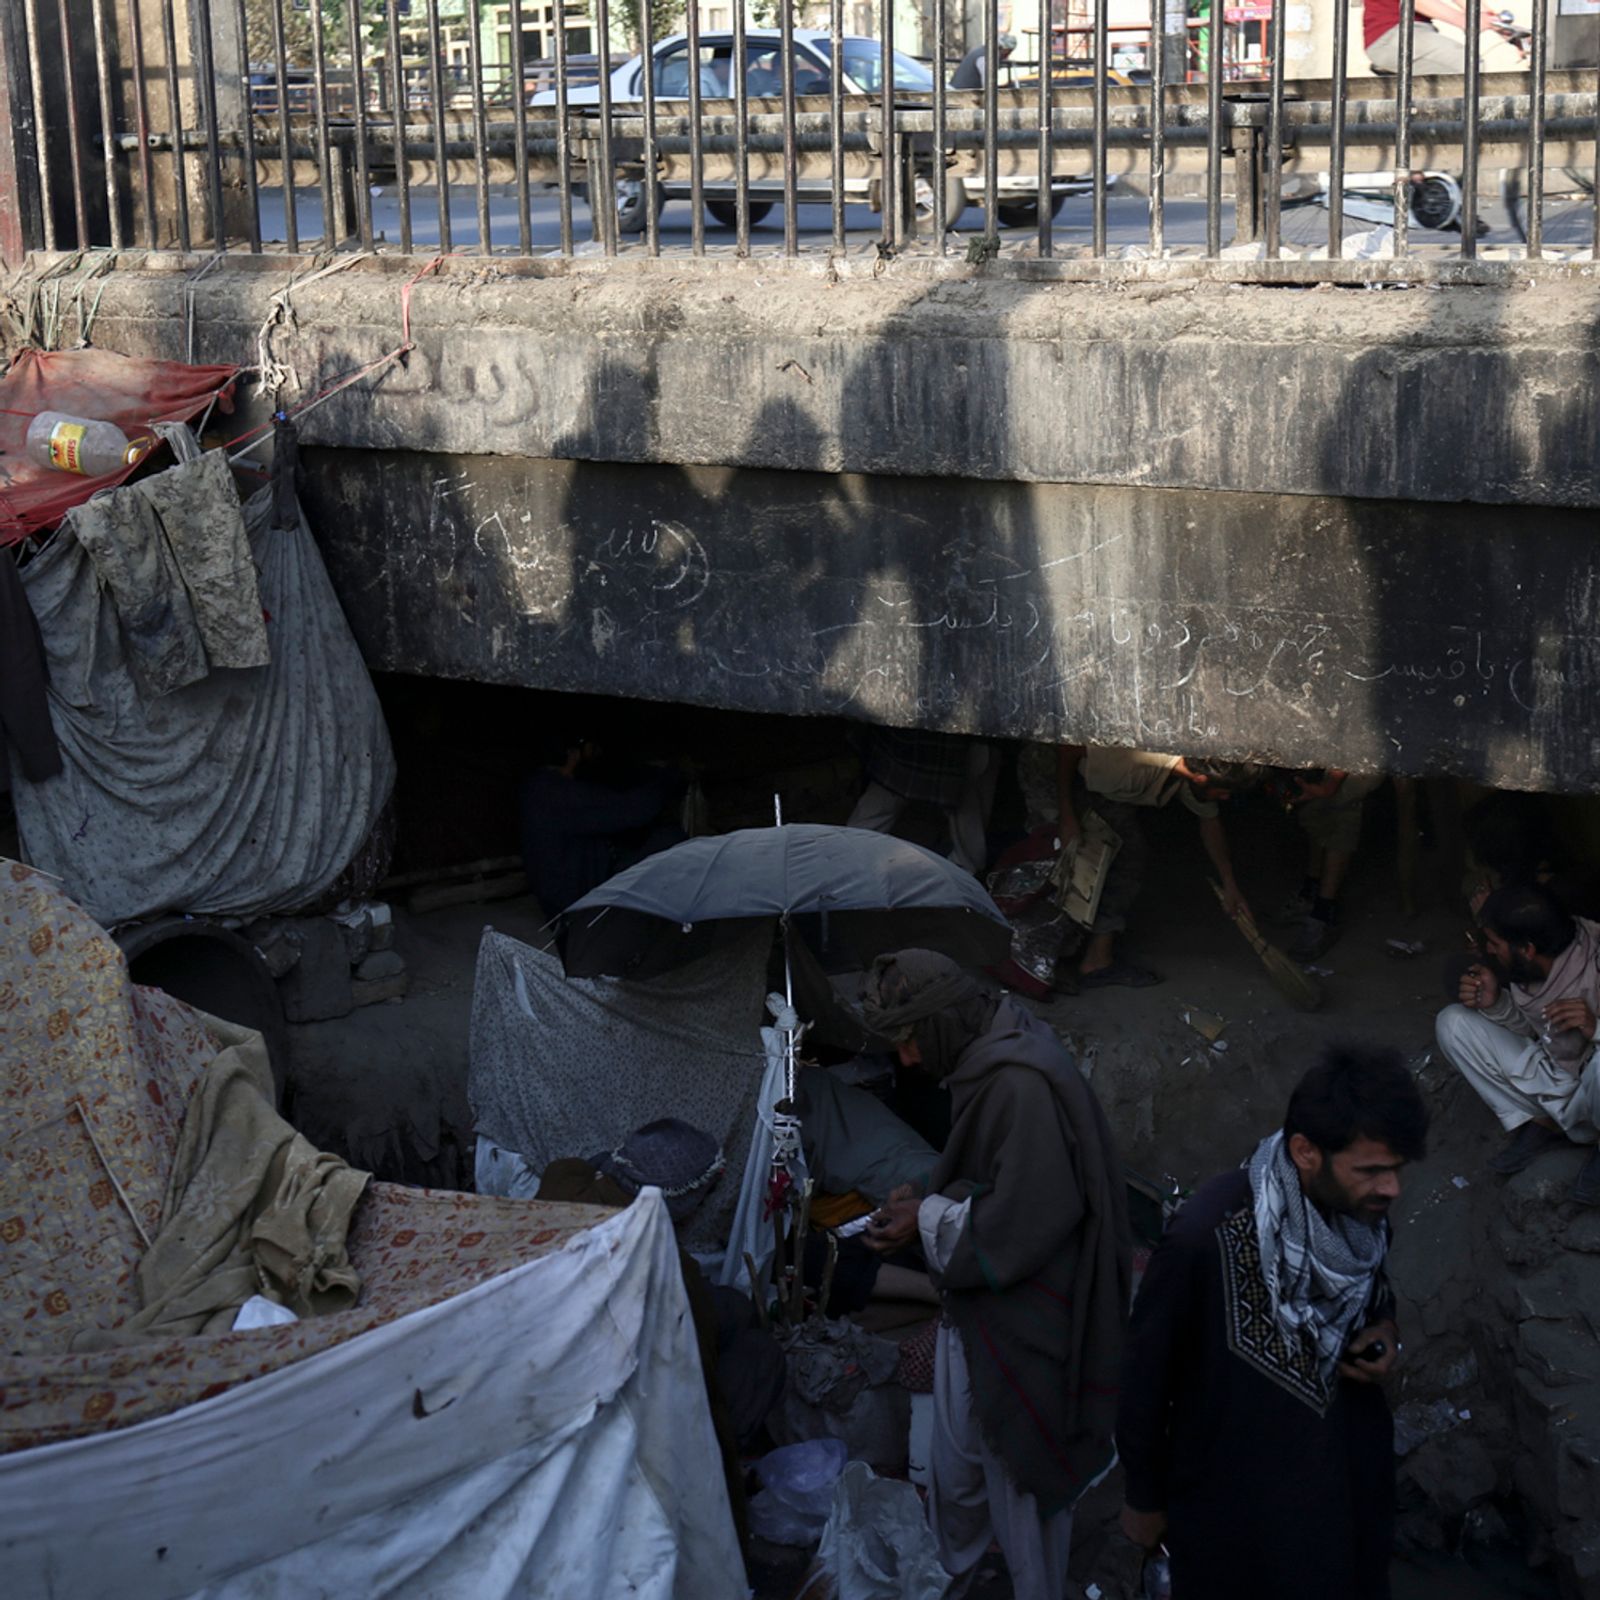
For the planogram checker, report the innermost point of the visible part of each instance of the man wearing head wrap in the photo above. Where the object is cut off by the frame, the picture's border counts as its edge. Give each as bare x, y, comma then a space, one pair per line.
743, 1366
1025, 1230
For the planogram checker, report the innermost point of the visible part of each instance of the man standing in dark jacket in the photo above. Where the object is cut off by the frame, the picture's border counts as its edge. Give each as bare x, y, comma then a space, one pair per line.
1254, 1435
1024, 1229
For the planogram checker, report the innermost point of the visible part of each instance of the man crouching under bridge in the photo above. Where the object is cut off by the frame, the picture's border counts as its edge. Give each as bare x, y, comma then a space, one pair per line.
1024, 1229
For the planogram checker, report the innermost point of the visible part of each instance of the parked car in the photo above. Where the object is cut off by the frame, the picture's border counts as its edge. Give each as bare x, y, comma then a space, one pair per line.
862, 70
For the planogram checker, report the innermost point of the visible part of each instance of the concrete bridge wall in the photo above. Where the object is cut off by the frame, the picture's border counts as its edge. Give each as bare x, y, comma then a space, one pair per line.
1306, 523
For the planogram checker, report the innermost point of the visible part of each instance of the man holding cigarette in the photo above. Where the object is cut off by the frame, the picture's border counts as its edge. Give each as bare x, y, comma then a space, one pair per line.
1527, 1044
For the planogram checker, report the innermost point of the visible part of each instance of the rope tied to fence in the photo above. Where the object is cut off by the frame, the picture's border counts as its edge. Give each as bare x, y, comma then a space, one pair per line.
369, 370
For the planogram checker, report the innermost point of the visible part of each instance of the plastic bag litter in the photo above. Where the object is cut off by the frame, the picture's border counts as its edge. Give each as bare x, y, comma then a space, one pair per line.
877, 1544
797, 1491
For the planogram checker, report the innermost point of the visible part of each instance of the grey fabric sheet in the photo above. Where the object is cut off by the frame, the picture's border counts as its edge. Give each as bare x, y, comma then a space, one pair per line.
854, 1141
244, 793
564, 1066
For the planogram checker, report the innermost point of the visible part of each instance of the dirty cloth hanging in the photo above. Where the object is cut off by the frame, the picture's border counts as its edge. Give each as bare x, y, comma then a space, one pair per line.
244, 793
173, 554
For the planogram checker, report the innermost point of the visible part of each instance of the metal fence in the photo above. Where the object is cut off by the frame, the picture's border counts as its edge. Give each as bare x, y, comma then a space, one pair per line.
156, 125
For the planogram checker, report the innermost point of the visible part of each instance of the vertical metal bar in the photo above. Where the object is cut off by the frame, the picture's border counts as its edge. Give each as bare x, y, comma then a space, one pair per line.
291, 222
80, 208
108, 125
41, 122
206, 72
650, 188
791, 186
697, 151
141, 123
252, 192
604, 204
889, 159
441, 156
480, 128
991, 119
1538, 69
941, 215
1594, 183
563, 131
1273, 199
1214, 24
358, 89
1341, 76
1158, 127
1046, 134
1100, 52
397, 96
319, 70
1471, 113
519, 116
180, 168
741, 134
1402, 126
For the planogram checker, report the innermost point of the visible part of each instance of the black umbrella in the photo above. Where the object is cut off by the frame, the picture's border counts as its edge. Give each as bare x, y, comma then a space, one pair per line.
852, 893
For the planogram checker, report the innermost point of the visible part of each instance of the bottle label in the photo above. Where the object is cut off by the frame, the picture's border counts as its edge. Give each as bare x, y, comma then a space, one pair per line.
66, 446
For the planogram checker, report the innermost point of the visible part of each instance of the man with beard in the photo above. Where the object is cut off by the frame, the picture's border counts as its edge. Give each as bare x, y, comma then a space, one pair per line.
1254, 1437
1024, 1230
1528, 1045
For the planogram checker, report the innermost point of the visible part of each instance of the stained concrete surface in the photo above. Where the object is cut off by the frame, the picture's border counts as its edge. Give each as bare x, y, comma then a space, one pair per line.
392, 1078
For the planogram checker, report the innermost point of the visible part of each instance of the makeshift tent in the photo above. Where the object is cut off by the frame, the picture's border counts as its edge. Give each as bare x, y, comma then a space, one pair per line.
569, 1066
514, 1408
191, 786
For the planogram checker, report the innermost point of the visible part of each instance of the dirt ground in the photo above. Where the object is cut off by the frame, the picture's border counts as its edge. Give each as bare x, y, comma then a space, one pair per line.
390, 1079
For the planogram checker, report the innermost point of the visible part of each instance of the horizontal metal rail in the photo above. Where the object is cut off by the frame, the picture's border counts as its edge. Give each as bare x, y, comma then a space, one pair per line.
260, 156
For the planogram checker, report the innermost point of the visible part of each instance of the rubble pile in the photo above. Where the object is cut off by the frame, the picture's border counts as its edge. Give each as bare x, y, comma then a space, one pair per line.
327, 966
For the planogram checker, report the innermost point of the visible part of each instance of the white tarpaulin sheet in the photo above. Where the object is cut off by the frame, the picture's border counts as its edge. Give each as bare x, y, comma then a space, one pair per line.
240, 792
542, 1435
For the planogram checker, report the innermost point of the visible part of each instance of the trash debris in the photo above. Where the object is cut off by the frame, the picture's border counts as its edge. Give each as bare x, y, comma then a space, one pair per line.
1417, 1421
1404, 949
1459, 1181
1318, 972
796, 1496
1219, 1045
1206, 1023
877, 1544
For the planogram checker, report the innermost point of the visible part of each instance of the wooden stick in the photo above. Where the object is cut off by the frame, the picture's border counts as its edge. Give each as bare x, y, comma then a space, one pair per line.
797, 1294
756, 1294
827, 1276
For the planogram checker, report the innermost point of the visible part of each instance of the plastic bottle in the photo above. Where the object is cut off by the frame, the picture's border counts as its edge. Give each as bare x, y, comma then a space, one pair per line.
1157, 1583
82, 445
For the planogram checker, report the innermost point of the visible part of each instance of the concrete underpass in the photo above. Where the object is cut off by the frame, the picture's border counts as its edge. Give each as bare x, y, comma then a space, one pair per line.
737, 508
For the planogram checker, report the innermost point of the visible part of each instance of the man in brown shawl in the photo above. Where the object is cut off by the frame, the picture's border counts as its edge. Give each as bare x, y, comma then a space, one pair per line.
1025, 1231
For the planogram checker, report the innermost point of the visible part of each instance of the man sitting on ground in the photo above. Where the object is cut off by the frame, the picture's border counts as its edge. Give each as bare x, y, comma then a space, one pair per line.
1528, 1045
1025, 1230
1254, 1438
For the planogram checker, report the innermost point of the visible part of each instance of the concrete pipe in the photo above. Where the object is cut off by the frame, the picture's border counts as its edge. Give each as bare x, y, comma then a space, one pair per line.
215, 969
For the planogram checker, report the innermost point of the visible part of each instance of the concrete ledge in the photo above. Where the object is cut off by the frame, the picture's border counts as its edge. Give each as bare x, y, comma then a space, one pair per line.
1444, 393
1371, 635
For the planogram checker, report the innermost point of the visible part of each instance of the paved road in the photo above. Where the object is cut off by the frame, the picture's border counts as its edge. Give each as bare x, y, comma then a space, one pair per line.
1127, 220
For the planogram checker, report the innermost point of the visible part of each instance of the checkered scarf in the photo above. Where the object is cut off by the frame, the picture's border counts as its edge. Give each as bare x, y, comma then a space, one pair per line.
1320, 1271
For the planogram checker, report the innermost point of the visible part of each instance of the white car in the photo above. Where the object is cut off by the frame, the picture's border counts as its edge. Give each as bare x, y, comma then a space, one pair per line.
813, 75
